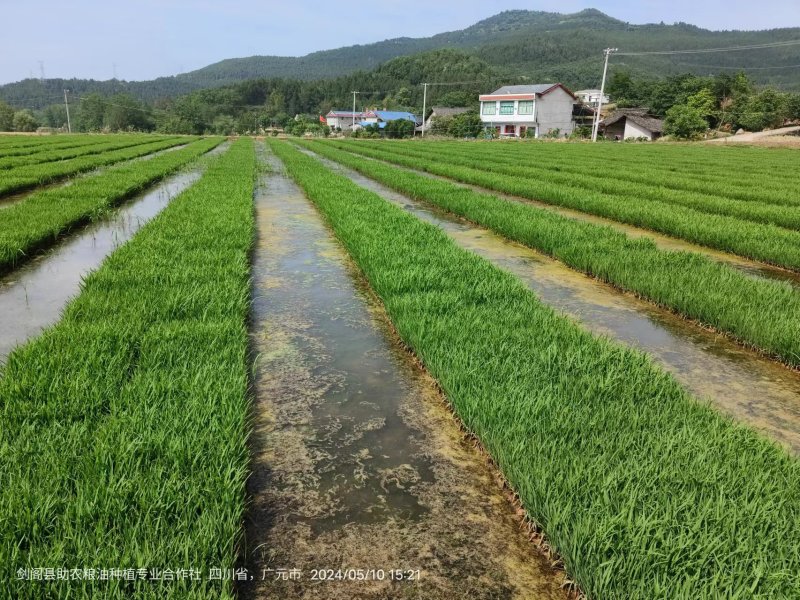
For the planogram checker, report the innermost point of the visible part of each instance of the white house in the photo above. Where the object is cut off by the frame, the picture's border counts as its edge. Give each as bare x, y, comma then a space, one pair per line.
591, 96
343, 119
537, 110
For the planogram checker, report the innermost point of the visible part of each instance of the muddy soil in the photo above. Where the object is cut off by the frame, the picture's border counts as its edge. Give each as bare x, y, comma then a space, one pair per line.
357, 462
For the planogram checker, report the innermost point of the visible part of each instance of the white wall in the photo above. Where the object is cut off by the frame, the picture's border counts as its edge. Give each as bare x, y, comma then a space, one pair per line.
632, 130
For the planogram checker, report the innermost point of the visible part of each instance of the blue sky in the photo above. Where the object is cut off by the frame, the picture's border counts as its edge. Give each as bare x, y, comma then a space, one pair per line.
149, 38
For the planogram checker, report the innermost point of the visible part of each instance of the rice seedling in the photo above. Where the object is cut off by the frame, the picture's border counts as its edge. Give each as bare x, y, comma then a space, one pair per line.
644, 491
98, 146
767, 243
760, 313
41, 218
123, 438
59, 143
31, 176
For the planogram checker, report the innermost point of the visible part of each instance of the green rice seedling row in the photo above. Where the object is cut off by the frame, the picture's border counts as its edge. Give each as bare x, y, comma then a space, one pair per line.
123, 438
15, 142
639, 184
643, 490
41, 218
767, 243
31, 176
762, 314
60, 144
73, 152
620, 187
770, 182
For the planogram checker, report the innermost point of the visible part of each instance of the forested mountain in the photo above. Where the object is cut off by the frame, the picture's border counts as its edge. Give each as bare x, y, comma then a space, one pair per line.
536, 45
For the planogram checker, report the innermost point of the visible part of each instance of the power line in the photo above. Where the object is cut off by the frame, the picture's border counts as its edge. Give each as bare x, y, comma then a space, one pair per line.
706, 50
689, 65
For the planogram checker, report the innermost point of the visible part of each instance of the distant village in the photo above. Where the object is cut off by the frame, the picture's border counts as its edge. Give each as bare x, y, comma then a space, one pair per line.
517, 111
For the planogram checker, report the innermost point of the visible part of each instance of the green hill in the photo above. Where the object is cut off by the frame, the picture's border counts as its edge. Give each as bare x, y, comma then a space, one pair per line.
538, 45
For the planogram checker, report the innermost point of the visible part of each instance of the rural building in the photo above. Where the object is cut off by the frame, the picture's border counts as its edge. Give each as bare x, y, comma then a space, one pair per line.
627, 123
381, 117
343, 119
440, 112
591, 96
515, 110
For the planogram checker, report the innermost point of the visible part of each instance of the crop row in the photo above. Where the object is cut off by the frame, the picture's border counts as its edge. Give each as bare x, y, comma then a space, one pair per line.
57, 143
8, 142
123, 438
643, 491
742, 163
39, 220
31, 176
759, 186
761, 313
630, 189
767, 243
55, 154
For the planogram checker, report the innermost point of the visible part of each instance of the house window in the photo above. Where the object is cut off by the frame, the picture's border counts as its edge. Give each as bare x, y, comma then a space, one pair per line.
489, 108
510, 129
507, 108
526, 107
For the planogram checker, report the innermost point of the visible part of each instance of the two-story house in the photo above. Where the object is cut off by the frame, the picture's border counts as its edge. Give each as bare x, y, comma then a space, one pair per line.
532, 110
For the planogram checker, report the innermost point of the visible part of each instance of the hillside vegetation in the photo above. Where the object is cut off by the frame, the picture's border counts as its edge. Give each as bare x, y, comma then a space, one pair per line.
534, 44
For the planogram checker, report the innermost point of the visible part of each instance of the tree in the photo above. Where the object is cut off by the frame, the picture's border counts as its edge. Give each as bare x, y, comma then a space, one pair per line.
25, 121
224, 125
457, 99
6, 117
55, 115
466, 124
684, 122
399, 128
764, 110
793, 107
125, 113
91, 113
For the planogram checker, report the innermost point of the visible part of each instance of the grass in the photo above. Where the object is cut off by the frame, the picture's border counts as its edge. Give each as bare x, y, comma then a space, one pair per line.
41, 218
123, 438
31, 176
761, 313
759, 241
645, 492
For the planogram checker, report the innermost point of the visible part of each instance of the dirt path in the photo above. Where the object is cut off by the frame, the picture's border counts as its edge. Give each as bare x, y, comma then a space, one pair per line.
758, 136
357, 464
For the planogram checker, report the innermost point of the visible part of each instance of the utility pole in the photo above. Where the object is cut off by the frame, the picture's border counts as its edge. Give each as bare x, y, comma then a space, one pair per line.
354, 111
66, 103
424, 101
596, 124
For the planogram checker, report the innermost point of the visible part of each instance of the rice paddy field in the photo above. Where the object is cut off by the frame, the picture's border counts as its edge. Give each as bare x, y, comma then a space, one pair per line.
398, 369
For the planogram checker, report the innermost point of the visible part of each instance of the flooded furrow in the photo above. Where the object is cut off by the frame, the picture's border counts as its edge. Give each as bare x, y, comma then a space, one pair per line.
741, 382
752, 268
33, 296
356, 461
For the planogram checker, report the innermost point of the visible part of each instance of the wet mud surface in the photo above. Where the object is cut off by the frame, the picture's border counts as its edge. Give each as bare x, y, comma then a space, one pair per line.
357, 464
742, 383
